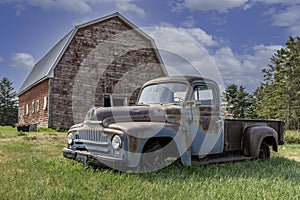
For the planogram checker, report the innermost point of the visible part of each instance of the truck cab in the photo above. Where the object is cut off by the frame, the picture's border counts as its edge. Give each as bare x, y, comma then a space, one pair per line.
175, 118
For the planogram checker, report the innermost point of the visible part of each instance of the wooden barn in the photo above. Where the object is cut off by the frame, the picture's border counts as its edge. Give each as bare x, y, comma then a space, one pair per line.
100, 63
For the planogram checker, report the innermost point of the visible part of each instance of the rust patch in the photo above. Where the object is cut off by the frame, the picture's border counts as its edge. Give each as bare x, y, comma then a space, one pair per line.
133, 144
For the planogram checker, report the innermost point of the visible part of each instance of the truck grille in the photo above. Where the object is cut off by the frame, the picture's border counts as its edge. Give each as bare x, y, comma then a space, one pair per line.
92, 135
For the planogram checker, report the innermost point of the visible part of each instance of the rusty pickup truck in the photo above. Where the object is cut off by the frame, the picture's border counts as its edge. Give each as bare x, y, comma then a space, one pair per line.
174, 119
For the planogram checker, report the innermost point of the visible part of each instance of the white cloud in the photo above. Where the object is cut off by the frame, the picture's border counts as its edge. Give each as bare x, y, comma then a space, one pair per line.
194, 52
1, 59
77, 6
23, 60
227, 62
260, 57
185, 51
283, 14
286, 2
244, 69
230, 67
254, 62
220, 6
80, 6
199, 35
189, 22
224, 5
71, 5
288, 18
128, 6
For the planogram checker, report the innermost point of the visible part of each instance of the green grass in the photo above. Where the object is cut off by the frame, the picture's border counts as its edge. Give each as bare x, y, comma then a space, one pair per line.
58, 178
8, 131
292, 137
48, 130
35, 169
291, 151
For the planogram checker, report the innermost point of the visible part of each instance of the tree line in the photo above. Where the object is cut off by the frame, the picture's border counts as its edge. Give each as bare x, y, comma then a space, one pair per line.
278, 96
8, 103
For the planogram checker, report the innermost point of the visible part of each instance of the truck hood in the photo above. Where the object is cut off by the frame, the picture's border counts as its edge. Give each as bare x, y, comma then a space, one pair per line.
146, 129
153, 113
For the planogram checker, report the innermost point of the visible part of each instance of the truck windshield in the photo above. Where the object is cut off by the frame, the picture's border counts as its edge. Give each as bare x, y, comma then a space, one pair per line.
163, 93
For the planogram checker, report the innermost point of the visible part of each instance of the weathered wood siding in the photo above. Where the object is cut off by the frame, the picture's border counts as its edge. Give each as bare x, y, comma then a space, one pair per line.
102, 58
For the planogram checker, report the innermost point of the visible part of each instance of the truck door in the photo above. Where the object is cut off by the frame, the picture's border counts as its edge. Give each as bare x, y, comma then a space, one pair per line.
209, 136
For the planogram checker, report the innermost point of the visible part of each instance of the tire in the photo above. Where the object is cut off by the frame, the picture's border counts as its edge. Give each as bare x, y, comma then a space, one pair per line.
156, 156
264, 151
151, 158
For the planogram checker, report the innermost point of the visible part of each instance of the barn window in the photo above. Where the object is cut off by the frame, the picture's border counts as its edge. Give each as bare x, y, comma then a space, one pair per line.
115, 100
118, 100
45, 103
107, 101
27, 109
32, 107
37, 105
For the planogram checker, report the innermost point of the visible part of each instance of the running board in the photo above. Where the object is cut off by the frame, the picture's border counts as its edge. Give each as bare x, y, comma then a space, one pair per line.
207, 161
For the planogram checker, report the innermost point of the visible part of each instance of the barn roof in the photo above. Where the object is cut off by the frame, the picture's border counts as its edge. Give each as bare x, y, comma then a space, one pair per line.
45, 67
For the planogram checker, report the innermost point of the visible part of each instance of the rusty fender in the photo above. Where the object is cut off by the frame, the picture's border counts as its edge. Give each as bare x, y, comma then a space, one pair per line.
138, 133
255, 135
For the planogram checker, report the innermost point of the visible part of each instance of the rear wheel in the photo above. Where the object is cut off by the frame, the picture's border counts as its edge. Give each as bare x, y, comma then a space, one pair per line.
264, 151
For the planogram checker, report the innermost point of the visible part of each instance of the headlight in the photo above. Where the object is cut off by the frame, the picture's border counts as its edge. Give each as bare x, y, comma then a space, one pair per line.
70, 138
116, 142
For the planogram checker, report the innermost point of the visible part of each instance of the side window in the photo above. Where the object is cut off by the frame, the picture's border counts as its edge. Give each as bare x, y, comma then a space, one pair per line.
27, 109
37, 105
45, 103
203, 96
32, 106
23, 110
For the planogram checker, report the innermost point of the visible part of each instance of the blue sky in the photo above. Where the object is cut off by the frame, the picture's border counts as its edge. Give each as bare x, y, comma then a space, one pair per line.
239, 35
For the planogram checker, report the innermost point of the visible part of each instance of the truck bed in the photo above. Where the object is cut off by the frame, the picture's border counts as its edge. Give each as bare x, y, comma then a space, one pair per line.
234, 128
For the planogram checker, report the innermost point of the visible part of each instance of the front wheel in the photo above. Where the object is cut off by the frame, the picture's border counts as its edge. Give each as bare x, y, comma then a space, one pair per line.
152, 158
264, 151
157, 156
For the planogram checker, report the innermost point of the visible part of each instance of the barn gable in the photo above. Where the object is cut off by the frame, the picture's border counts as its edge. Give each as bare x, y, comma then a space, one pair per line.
45, 67
101, 62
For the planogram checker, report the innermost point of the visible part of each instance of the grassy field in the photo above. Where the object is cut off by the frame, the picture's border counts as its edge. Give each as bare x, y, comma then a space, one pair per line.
32, 167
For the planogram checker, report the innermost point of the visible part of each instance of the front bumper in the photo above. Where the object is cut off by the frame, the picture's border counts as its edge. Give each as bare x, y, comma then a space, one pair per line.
96, 160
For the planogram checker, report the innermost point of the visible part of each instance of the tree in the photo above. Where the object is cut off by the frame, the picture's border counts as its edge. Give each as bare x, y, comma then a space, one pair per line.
8, 103
237, 101
279, 96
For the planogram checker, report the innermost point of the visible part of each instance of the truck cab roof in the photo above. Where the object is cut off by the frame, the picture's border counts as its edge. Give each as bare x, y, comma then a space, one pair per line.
190, 80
